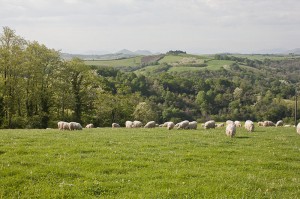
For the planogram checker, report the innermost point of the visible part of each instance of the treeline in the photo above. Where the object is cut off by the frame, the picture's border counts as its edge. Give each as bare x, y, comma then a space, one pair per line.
38, 89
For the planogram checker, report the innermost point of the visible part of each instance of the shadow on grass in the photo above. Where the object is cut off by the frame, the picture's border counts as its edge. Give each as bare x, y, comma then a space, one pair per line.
242, 137
2, 152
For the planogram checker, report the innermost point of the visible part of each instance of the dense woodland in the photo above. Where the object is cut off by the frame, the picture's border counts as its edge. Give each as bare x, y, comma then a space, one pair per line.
38, 88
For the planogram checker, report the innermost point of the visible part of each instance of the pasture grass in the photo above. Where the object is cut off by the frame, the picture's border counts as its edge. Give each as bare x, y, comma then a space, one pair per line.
133, 61
149, 163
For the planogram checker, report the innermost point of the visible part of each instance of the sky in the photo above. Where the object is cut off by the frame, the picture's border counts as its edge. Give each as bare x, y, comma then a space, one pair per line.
195, 26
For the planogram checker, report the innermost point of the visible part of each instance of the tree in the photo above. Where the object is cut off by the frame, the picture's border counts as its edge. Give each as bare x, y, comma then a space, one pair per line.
145, 112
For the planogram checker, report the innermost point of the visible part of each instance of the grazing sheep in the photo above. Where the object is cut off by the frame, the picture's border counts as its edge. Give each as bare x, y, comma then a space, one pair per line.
237, 123
137, 124
279, 123
192, 125
66, 126
231, 130
260, 123
60, 125
89, 126
150, 124
249, 126
182, 125
229, 122
268, 123
115, 125
74, 126
128, 124
220, 125
170, 125
210, 124
298, 128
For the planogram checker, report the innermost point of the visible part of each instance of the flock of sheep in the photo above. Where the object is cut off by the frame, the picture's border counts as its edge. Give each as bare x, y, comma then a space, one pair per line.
230, 125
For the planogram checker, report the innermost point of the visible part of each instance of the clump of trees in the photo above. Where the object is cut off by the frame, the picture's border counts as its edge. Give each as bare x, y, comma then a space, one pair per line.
38, 89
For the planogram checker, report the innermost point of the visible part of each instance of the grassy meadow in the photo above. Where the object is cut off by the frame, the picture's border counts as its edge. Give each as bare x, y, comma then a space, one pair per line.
150, 163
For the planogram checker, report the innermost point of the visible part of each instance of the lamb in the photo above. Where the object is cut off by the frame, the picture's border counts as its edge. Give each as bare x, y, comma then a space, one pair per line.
192, 125
137, 124
182, 125
249, 126
298, 128
150, 124
279, 123
237, 123
268, 123
231, 130
128, 124
89, 126
115, 125
209, 124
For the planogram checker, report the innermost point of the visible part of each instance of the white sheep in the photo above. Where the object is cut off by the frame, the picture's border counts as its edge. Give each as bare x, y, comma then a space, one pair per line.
231, 130
150, 124
229, 122
182, 125
137, 124
74, 126
66, 126
260, 123
268, 123
298, 128
210, 124
192, 125
170, 125
237, 123
89, 126
279, 123
220, 125
115, 125
128, 124
60, 125
249, 126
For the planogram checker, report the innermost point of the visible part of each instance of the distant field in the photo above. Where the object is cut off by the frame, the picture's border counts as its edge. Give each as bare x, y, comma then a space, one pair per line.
135, 61
149, 163
262, 57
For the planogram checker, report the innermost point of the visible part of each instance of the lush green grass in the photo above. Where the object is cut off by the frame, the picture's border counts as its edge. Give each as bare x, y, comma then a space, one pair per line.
134, 61
149, 163
263, 57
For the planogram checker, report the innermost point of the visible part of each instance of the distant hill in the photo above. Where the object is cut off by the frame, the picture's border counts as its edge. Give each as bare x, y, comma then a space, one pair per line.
122, 54
294, 51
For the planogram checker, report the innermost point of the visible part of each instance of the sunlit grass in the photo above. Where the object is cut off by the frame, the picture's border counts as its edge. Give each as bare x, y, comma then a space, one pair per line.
149, 163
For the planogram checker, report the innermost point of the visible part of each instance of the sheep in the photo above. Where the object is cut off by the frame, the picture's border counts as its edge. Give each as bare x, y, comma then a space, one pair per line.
229, 122
182, 125
209, 124
260, 123
268, 123
150, 124
115, 125
128, 124
66, 126
298, 128
192, 125
75, 126
170, 125
60, 125
279, 123
137, 124
249, 126
231, 130
220, 125
89, 126
237, 123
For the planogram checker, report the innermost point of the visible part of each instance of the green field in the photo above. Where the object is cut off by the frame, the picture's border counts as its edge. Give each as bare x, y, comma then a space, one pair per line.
149, 163
134, 61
